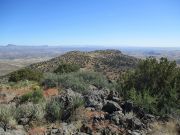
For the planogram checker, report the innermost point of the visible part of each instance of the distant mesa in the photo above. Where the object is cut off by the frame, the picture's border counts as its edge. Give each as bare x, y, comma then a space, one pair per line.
10, 45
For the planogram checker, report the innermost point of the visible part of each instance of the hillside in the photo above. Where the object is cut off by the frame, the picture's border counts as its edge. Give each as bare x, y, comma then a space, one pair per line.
74, 100
110, 62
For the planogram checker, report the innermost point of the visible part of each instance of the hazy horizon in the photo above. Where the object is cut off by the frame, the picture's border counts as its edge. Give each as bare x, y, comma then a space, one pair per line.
86, 45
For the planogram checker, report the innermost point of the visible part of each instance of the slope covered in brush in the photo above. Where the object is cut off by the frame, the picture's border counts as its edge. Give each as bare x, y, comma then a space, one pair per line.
109, 62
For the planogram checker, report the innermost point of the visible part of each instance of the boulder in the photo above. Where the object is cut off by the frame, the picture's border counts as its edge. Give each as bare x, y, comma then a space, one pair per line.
24, 121
134, 123
113, 96
98, 117
140, 113
111, 130
96, 98
67, 96
118, 118
65, 129
111, 107
127, 107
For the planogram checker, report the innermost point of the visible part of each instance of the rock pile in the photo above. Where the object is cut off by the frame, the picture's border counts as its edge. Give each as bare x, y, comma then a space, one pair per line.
104, 113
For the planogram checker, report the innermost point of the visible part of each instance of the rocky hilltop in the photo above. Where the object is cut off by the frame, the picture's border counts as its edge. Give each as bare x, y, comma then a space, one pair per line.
110, 62
57, 97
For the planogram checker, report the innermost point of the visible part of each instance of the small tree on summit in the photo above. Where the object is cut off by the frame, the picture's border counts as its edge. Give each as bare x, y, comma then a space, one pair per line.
67, 68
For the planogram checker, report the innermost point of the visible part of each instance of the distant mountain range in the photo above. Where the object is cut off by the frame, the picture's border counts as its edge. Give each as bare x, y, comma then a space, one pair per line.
12, 51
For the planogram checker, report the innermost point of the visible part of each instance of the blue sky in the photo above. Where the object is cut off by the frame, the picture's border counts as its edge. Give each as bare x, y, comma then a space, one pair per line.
90, 22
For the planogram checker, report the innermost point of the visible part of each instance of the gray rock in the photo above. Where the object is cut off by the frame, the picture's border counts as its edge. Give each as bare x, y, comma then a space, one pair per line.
96, 98
133, 132
149, 116
113, 96
86, 129
71, 93
90, 109
18, 131
116, 99
2, 131
118, 118
140, 113
99, 117
66, 129
134, 123
24, 121
127, 107
81, 133
55, 131
136, 132
111, 107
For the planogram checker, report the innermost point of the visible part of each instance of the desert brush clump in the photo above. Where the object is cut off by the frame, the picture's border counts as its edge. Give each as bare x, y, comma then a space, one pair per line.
77, 102
77, 81
35, 96
30, 111
54, 110
25, 74
155, 83
7, 114
67, 68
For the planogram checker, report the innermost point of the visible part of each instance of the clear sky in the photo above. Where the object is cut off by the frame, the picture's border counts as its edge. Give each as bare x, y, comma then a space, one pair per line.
90, 22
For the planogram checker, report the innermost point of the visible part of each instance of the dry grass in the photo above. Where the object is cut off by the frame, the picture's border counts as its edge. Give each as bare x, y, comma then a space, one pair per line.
168, 128
9, 91
50, 92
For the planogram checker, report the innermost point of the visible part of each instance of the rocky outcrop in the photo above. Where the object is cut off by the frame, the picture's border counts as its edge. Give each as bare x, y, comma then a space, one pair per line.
104, 113
111, 107
95, 98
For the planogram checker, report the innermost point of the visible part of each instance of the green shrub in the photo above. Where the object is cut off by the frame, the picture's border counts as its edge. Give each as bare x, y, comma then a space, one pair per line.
25, 74
77, 102
54, 110
26, 97
40, 110
49, 83
77, 81
31, 111
153, 80
7, 114
73, 82
67, 68
50, 80
94, 78
36, 96
145, 100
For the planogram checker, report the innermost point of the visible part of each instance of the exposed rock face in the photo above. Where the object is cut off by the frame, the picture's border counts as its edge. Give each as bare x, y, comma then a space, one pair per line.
111, 107
96, 98
118, 118
134, 123
67, 97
